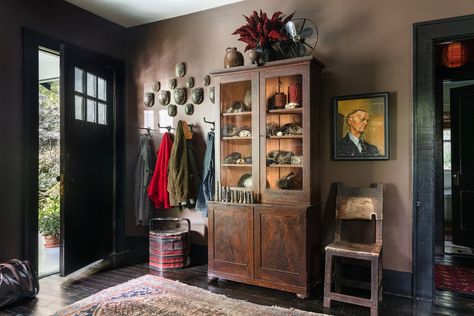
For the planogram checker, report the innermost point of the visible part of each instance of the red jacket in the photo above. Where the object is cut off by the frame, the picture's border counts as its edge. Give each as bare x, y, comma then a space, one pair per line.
158, 187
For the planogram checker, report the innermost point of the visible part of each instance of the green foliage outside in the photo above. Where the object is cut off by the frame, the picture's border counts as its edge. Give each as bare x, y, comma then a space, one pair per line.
49, 213
49, 151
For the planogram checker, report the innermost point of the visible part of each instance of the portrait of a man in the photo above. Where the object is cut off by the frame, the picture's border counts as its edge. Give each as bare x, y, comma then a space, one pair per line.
361, 127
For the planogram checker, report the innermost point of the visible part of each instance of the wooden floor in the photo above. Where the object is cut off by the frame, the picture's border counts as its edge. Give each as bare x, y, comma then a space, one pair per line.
57, 292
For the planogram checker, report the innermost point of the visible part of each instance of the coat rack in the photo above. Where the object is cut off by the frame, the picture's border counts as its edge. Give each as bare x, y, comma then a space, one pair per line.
213, 123
169, 128
148, 130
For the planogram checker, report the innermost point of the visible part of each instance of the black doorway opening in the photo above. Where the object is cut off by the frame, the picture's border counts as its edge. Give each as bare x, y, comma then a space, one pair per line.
428, 146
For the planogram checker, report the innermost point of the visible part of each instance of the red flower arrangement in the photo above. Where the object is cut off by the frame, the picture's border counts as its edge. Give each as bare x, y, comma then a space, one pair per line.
261, 31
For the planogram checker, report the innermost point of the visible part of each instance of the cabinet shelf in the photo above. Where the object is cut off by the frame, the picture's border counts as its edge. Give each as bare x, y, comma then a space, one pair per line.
285, 166
286, 137
286, 111
236, 138
235, 165
237, 114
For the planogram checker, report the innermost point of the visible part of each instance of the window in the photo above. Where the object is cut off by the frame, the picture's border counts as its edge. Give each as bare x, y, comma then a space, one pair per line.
90, 97
447, 149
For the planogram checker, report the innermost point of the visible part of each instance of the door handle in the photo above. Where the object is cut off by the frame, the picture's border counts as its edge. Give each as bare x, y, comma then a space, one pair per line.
455, 178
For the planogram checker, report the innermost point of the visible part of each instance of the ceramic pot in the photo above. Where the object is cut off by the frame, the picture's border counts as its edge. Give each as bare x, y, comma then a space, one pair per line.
254, 56
233, 58
51, 241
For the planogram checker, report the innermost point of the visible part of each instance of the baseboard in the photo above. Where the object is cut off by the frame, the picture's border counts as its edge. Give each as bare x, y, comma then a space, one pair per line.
137, 244
198, 254
393, 282
397, 283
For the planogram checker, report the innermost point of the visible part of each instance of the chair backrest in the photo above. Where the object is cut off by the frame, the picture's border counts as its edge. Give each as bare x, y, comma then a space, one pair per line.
359, 204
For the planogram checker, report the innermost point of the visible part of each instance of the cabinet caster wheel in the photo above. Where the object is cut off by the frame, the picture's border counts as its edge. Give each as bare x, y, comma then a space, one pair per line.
302, 296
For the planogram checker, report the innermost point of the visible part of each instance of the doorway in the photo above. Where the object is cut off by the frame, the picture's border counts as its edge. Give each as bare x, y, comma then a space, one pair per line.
428, 182
89, 189
49, 148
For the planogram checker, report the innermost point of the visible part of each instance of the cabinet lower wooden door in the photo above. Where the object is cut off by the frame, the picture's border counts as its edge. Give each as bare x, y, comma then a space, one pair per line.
230, 231
280, 245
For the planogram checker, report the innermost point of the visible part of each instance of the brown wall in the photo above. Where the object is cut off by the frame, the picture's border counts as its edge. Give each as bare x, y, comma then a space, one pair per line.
366, 46
56, 19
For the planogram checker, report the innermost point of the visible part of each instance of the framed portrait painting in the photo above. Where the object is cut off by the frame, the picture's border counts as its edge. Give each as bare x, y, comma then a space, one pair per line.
361, 127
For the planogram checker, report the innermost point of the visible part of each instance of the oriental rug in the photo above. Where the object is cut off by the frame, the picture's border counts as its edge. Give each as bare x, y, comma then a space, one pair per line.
455, 279
154, 295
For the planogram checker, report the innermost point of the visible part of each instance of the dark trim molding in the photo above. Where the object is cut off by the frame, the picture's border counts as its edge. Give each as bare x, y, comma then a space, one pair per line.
427, 144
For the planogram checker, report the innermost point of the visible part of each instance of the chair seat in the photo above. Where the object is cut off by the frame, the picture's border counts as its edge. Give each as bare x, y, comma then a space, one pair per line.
355, 250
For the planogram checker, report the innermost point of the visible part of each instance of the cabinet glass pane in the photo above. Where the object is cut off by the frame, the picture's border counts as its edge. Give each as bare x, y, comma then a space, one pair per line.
91, 85
78, 107
284, 133
78, 80
236, 134
91, 110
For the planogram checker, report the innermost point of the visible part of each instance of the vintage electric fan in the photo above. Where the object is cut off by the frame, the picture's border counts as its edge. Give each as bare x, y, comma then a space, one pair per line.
303, 35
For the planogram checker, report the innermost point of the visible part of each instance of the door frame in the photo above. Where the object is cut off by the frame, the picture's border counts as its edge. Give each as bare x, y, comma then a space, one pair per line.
31, 42
428, 145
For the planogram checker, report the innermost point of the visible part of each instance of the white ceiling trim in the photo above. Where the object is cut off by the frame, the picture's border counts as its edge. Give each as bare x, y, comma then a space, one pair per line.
130, 13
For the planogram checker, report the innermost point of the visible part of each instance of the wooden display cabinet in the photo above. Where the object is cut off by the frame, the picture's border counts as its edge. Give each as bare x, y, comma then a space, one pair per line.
268, 143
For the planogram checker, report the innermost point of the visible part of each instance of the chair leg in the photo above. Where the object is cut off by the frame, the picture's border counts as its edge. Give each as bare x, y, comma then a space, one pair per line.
337, 275
327, 280
380, 279
374, 286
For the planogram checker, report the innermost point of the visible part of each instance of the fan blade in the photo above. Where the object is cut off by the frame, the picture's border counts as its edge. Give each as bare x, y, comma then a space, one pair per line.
307, 32
301, 50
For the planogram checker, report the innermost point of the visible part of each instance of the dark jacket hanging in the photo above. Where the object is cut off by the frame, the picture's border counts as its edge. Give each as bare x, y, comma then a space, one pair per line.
143, 172
183, 177
206, 189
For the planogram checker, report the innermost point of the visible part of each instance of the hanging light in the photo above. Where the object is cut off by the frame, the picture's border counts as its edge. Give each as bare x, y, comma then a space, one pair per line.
455, 54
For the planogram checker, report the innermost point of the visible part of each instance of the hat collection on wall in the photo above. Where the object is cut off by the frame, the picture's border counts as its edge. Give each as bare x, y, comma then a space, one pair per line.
179, 91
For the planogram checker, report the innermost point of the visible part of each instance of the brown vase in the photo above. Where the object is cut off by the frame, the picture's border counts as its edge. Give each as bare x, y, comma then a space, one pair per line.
233, 57
51, 241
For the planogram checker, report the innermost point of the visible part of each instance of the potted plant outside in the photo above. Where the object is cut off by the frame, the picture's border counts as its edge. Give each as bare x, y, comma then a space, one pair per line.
49, 218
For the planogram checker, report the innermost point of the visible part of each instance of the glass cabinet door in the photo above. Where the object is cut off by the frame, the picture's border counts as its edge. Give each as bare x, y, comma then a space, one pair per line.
284, 138
236, 134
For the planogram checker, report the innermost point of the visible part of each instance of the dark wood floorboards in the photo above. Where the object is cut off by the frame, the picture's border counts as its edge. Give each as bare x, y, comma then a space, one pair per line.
57, 292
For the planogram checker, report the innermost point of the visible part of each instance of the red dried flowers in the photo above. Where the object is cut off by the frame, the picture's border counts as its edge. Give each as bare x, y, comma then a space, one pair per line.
260, 30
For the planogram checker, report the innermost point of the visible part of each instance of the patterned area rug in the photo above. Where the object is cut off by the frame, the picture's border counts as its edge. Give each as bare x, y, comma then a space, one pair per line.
456, 279
153, 295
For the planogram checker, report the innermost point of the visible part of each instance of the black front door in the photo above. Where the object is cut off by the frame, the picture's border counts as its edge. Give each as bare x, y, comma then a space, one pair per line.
87, 161
462, 164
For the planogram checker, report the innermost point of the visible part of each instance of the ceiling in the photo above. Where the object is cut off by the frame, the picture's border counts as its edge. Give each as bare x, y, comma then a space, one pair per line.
135, 12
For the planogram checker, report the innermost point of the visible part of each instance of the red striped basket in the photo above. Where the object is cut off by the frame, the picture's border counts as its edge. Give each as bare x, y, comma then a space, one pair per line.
169, 247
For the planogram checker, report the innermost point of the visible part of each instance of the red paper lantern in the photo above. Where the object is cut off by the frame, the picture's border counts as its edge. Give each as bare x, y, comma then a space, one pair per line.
455, 54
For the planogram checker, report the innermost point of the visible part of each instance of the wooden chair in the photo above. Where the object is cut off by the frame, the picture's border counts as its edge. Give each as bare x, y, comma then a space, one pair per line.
357, 204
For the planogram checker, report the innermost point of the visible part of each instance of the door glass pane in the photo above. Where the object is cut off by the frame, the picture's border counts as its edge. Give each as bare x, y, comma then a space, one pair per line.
79, 109
91, 85
102, 114
78, 80
91, 110
102, 89
284, 127
236, 135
